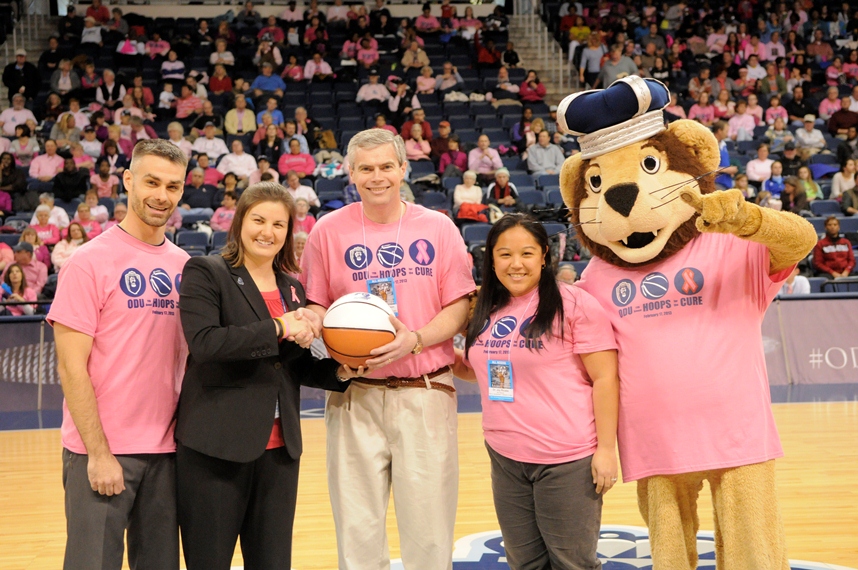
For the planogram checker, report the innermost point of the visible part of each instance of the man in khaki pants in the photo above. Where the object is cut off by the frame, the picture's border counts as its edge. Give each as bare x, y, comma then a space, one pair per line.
396, 425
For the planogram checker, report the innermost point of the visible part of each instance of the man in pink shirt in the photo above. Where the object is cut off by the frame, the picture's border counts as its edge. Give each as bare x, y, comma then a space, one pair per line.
44, 167
420, 257
17, 115
301, 163
121, 355
35, 271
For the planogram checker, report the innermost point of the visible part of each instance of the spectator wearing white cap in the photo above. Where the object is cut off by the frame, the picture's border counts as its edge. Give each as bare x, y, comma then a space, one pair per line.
22, 77
809, 140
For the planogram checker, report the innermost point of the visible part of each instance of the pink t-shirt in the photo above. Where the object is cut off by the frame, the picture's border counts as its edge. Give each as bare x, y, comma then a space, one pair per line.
124, 294
551, 418
694, 392
222, 220
304, 225
104, 187
429, 266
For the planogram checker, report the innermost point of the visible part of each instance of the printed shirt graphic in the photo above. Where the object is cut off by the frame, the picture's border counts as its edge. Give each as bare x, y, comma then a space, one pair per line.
694, 392
124, 294
551, 420
429, 266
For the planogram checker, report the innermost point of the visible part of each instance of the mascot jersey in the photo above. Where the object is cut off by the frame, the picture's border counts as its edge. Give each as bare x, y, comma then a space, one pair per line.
690, 348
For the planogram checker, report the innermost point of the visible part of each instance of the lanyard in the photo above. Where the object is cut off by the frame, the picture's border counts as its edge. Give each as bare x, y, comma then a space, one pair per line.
363, 228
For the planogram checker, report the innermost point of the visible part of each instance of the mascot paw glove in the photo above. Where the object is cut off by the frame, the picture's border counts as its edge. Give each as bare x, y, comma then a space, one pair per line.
720, 212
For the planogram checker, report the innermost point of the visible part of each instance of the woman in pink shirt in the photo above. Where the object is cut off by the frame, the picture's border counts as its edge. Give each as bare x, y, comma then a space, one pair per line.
14, 288
724, 107
304, 222
532, 90
530, 340
367, 56
73, 239
417, 148
741, 125
754, 109
84, 218
702, 111
222, 218
775, 110
850, 68
48, 233
425, 82
293, 71
760, 169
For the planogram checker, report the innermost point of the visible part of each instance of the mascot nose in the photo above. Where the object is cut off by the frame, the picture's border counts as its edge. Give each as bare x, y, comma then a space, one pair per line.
622, 198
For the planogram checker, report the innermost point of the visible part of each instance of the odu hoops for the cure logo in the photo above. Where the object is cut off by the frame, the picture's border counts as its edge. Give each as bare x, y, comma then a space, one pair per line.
688, 281
504, 326
132, 283
654, 286
390, 254
358, 257
422, 252
623, 293
161, 282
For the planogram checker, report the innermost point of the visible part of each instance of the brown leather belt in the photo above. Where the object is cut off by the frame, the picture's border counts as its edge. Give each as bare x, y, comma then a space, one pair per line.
419, 382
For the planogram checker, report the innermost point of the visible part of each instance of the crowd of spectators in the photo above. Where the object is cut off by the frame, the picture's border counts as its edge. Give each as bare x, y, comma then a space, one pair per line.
252, 98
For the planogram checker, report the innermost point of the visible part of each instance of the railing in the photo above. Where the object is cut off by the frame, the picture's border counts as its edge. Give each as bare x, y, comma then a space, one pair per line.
548, 50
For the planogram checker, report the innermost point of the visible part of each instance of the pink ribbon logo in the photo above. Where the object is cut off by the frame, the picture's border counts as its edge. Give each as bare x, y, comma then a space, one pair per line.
295, 295
422, 256
689, 286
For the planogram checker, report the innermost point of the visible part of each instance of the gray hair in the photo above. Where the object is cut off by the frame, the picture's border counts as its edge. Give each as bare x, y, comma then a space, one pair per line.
43, 208
199, 171
176, 126
374, 138
301, 235
46, 196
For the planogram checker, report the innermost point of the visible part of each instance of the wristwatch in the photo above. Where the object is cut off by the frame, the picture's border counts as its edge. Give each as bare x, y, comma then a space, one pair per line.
418, 348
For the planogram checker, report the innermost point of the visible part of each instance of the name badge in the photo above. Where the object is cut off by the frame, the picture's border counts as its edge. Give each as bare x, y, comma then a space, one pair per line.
500, 381
384, 289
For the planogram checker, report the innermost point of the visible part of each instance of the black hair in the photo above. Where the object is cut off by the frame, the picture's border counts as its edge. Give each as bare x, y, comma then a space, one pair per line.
493, 295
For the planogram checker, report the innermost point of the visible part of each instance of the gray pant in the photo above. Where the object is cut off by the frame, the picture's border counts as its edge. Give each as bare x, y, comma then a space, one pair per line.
549, 514
96, 524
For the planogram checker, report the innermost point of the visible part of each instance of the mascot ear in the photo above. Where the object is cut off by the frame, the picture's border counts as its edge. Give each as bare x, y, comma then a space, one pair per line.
700, 142
569, 176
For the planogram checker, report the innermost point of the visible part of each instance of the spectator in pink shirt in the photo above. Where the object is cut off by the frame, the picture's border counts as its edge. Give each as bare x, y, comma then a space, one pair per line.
760, 169
416, 147
303, 164
776, 110
367, 55
829, 105
15, 288
156, 47
47, 232
44, 167
35, 271
222, 218
272, 30
303, 222
211, 175
741, 125
532, 90
426, 23
85, 219
30, 236
702, 111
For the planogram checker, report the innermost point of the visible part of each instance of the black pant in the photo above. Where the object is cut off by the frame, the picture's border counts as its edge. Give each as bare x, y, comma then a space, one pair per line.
221, 500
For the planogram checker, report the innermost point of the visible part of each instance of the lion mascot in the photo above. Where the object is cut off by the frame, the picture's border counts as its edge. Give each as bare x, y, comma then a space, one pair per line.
686, 274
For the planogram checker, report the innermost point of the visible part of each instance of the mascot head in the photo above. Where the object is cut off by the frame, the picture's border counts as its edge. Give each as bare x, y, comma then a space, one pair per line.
622, 190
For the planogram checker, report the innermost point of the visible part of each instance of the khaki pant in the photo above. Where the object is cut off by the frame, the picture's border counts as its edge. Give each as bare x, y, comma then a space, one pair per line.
404, 437
749, 532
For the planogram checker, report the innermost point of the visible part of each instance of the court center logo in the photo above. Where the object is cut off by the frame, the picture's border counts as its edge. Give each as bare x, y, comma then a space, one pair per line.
620, 548
624, 292
161, 282
654, 286
504, 326
132, 283
358, 257
422, 252
390, 254
688, 281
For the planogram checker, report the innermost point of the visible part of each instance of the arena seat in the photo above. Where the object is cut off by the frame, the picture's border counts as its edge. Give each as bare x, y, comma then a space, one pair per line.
825, 208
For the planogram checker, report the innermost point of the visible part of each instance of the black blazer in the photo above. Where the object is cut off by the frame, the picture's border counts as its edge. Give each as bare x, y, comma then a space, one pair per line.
236, 368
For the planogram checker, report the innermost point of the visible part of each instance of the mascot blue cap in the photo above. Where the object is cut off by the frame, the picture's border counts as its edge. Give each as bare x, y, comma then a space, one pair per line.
604, 120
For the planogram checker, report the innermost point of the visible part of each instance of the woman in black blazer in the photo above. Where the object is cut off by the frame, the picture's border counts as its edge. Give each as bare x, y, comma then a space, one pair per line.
238, 428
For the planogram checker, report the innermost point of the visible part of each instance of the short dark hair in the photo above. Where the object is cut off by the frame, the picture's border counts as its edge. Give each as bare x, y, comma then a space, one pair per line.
159, 147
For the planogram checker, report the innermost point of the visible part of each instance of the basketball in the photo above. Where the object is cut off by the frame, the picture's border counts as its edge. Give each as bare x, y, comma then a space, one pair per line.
354, 325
